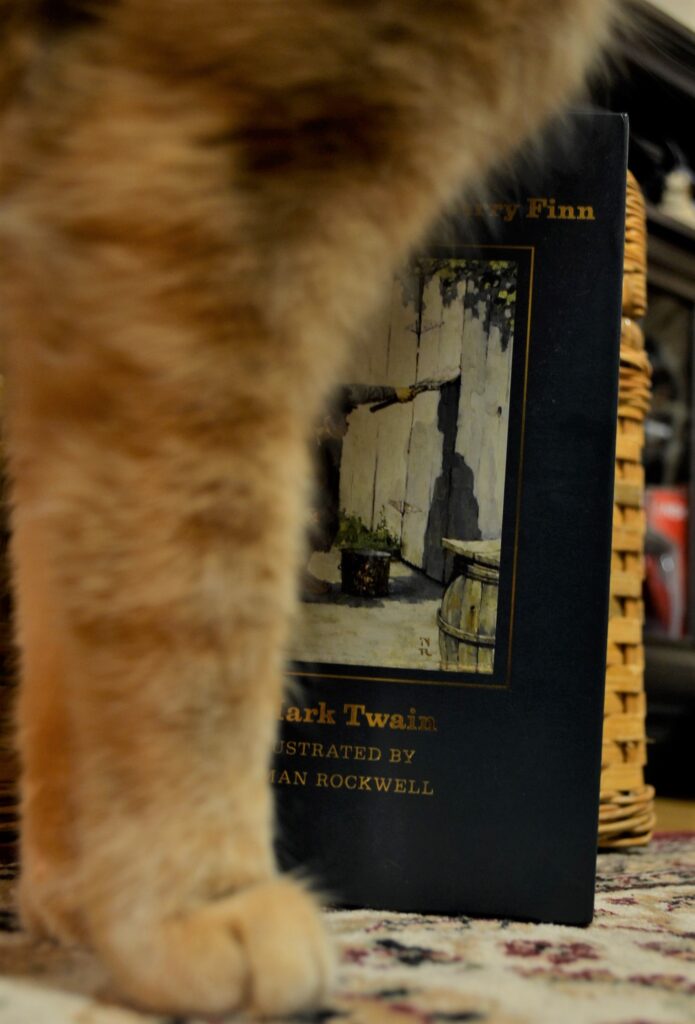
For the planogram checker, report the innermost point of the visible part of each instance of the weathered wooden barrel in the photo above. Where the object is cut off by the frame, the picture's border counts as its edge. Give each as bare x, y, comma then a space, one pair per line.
467, 618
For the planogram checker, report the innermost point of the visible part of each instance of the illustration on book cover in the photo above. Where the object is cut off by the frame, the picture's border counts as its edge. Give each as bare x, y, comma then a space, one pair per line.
403, 567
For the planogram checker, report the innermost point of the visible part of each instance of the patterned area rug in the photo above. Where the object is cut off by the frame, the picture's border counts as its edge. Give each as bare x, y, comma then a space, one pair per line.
634, 965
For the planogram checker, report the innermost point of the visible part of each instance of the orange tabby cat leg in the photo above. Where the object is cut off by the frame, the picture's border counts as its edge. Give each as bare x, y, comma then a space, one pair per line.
48, 839
177, 678
162, 454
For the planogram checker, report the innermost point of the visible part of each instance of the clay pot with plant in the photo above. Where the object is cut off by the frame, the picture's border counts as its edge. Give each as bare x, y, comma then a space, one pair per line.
366, 556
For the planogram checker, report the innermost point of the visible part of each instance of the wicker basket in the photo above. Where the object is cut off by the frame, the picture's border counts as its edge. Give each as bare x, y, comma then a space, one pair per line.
9, 768
627, 806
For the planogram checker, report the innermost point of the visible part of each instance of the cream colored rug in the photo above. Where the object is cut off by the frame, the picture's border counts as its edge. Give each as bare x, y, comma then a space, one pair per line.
634, 965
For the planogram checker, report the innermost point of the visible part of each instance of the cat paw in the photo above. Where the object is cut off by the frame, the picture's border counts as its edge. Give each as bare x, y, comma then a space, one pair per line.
263, 949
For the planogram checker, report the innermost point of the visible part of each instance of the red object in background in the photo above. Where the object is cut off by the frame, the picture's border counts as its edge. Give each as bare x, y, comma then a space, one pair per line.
666, 560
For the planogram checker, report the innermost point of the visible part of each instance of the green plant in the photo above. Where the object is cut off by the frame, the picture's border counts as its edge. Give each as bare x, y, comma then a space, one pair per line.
353, 533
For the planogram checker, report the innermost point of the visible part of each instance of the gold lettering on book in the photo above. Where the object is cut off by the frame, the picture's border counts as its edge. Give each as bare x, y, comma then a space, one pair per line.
533, 208
354, 715
374, 784
332, 751
319, 714
547, 208
354, 781
357, 714
285, 778
399, 754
